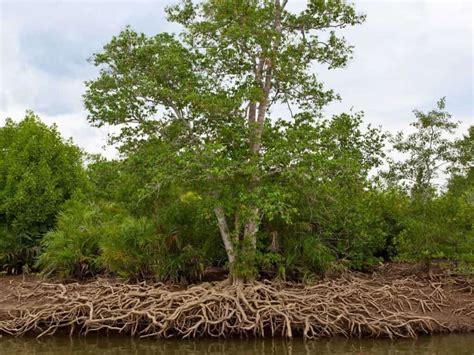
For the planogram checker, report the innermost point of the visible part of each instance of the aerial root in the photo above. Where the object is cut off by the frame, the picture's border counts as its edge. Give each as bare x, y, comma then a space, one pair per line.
351, 307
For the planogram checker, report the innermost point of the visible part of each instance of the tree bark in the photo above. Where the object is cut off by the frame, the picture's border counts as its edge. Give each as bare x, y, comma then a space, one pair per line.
225, 234
250, 232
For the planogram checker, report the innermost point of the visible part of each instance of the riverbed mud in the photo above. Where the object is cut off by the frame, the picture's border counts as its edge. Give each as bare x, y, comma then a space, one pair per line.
386, 303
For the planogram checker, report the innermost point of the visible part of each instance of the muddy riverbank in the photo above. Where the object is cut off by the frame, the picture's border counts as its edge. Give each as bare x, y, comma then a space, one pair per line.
389, 302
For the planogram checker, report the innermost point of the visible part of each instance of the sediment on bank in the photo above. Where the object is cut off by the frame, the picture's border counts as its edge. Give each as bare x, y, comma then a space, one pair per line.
354, 305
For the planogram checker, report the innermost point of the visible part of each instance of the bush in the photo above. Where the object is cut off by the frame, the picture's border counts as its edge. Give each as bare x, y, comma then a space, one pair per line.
338, 226
137, 252
71, 250
38, 172
309, 255
349, 221
93, 237
16, 251
185, 264
438, 228
131, 250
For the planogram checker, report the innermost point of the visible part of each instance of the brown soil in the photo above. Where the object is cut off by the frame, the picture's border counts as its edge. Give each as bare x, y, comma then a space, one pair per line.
395, 300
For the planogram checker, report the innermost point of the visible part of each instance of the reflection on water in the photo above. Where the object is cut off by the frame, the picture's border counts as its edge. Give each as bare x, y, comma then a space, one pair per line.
103, 345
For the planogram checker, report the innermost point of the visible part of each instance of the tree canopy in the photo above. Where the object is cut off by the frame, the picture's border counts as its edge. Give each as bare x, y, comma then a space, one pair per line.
208, 96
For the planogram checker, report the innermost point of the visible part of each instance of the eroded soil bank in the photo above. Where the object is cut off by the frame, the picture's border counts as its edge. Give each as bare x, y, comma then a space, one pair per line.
390, 302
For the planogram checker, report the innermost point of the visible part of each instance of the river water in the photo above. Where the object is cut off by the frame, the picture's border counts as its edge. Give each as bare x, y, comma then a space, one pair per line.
456, 344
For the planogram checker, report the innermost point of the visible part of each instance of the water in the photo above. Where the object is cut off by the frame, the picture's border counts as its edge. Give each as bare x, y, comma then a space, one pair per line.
456, 344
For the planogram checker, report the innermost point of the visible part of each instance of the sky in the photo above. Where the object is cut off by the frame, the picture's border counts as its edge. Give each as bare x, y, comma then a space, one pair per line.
407, 55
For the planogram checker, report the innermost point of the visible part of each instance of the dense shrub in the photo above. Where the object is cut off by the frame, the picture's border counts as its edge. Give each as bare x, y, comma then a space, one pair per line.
72, 248
435, 224
438, 228
136, 251
130, 222
104, 237
347, 219
183, 220
18, 251
38, 172
305, 257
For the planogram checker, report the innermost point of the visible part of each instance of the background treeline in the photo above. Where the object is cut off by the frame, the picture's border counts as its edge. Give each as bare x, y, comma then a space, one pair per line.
76, 215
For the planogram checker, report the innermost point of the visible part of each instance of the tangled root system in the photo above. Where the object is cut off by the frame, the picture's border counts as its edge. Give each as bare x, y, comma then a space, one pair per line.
349, 306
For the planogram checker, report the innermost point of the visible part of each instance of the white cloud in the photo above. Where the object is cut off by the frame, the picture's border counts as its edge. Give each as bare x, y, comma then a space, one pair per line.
43, 52
407, 55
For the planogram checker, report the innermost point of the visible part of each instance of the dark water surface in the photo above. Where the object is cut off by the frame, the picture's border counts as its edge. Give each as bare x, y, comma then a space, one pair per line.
456, 344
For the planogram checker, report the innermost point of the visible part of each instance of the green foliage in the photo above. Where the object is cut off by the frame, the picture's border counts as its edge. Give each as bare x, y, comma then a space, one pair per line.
175, 247
38, 172
308, 255
96, 237
435, 226
462, 171
390, 206
441, 227
130, 249
104, 177
331, 191
72, 248
348, 223
429, 150
18, 251
438, 228
204, 100
209, 176
183, 263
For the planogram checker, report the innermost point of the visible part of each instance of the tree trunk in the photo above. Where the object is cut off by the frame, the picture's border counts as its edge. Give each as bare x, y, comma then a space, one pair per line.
250, 237
226, 236
243, 251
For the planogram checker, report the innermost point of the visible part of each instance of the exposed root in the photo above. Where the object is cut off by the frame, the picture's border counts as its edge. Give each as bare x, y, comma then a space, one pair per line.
353, 306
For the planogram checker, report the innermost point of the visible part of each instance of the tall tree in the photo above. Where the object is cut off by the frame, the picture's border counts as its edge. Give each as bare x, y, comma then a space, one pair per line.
430, 151
462, 171
208, 98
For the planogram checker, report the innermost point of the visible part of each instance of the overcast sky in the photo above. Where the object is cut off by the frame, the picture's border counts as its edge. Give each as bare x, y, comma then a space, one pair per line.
407, 55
